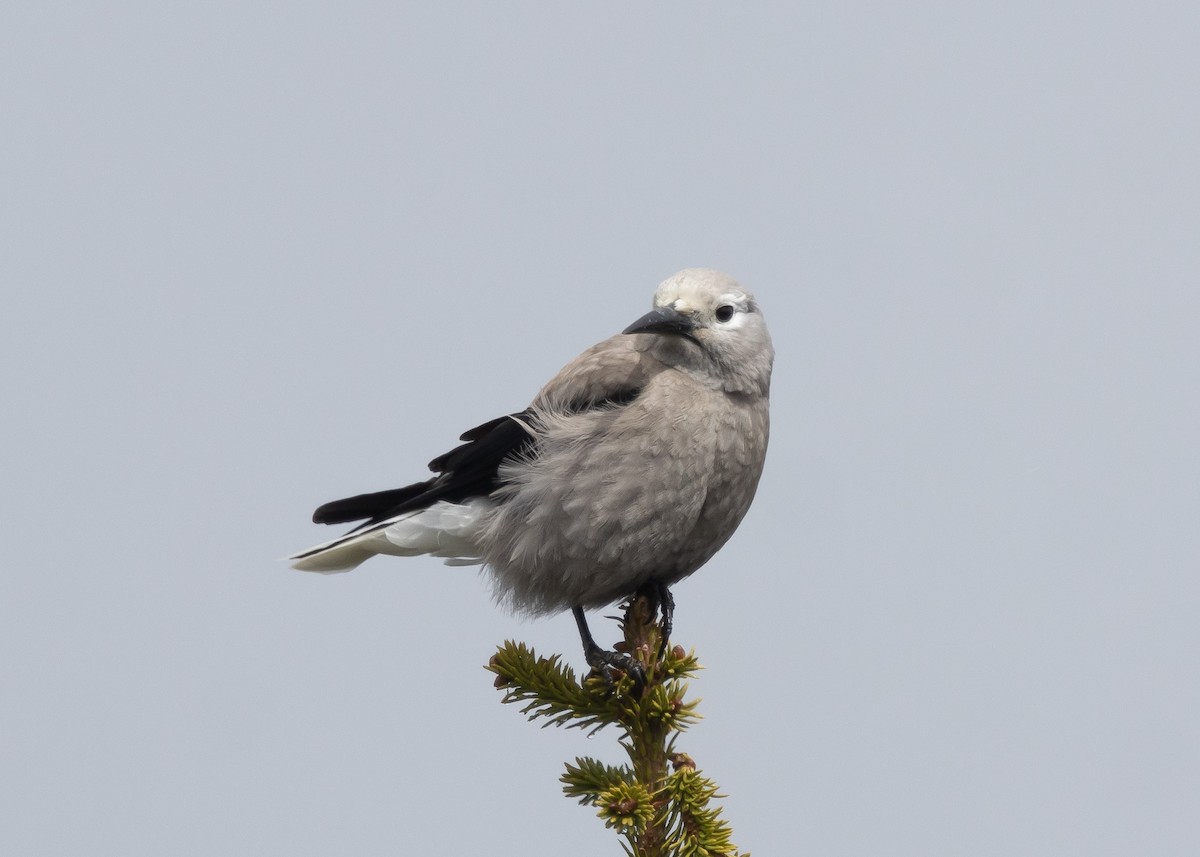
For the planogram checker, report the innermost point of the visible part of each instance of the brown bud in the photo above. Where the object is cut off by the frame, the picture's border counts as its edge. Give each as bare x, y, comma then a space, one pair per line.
624, 807
683, 760
502, 681
678, 653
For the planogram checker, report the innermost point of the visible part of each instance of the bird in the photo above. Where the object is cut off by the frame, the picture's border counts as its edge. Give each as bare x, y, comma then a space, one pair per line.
626, 473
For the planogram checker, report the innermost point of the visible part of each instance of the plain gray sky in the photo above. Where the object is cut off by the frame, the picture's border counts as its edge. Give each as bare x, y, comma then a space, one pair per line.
259, 256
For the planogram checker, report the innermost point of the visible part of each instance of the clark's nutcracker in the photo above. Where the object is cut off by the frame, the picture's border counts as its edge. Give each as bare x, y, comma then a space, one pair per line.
629, 470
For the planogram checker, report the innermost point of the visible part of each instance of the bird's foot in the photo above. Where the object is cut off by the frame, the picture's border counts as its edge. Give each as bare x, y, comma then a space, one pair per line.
667, 624
606, 663
660, 601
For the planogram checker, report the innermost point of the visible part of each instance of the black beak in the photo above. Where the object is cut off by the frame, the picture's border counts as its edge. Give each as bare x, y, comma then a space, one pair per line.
664, 320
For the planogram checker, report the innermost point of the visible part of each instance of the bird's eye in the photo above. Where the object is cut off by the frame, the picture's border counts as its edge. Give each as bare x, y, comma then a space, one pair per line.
724, 313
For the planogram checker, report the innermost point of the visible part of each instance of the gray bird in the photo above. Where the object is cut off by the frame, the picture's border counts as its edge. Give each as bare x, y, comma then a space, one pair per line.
626, 473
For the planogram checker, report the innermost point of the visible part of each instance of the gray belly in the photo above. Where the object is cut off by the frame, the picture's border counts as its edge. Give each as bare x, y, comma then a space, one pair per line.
617, 500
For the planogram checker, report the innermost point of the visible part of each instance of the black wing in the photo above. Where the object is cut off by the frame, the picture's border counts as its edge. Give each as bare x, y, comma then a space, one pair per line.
469, 470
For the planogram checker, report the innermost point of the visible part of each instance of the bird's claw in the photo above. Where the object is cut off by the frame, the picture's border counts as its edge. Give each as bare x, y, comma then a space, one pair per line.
605, 662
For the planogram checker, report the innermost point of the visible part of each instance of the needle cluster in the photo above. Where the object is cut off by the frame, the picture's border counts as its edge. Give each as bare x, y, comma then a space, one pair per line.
658, 802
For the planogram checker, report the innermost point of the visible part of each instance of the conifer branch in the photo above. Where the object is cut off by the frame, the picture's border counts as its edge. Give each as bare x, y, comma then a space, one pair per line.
587, 778
659, 803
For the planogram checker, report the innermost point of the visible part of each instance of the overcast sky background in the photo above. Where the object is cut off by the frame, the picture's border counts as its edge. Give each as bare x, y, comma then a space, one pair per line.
260, 256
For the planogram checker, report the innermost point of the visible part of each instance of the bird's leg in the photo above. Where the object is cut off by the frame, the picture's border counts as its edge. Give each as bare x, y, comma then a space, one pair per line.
660, 599
666, 604
604, 661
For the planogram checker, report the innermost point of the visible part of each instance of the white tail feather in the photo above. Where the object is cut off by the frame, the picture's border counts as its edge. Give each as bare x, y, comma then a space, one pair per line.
444, 529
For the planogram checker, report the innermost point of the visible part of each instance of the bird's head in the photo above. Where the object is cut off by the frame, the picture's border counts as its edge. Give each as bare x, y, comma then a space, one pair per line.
704, 321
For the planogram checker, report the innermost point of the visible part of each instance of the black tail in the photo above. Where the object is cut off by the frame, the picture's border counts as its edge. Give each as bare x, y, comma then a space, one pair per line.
469, 470
363, 506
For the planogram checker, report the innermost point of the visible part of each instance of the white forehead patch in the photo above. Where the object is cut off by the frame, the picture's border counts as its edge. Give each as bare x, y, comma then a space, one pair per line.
699, 289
